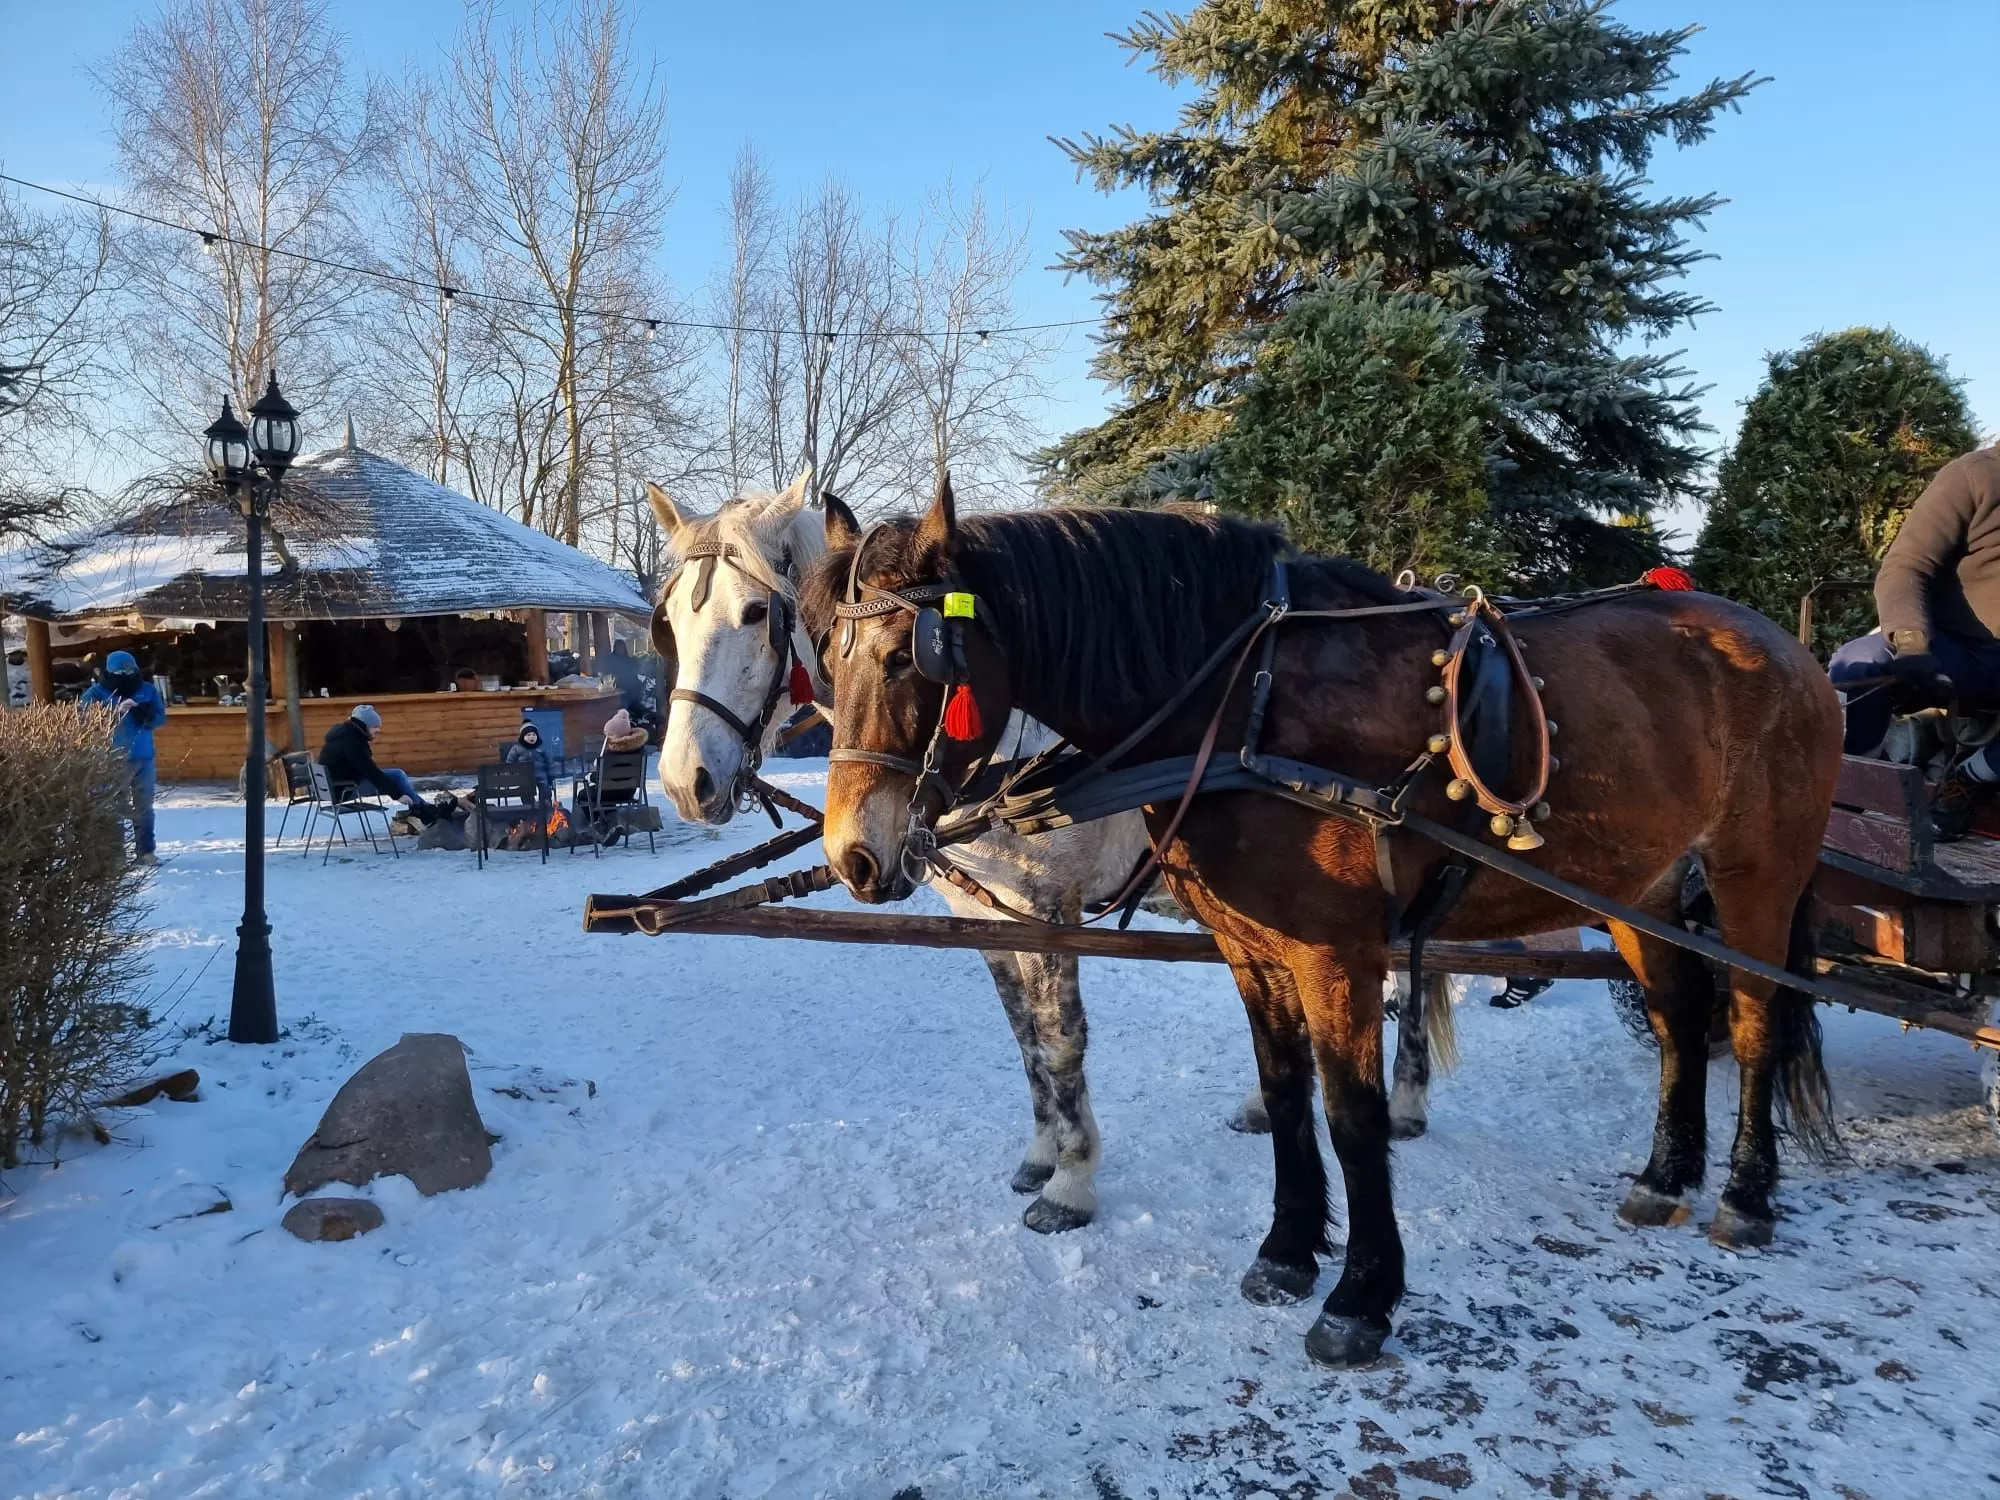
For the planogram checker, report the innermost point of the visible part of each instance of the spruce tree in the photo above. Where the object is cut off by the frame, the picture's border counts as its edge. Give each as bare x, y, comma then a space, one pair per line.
1488, 152
1836, 445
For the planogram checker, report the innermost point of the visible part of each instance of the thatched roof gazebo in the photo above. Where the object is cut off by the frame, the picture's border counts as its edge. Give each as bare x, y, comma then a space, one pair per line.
380, 585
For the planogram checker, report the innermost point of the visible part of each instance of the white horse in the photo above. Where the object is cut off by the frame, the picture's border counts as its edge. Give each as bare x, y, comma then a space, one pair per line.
735, 572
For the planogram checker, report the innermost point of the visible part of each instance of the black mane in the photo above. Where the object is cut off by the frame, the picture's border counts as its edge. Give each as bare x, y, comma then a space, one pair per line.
1106, 612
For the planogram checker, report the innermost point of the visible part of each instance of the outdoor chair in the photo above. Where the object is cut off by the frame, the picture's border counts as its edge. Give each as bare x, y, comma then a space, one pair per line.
297, 766
338, 803
506, 794
614, 797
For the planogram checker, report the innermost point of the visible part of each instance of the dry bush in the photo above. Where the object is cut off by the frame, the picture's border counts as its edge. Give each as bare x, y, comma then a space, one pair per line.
69, 904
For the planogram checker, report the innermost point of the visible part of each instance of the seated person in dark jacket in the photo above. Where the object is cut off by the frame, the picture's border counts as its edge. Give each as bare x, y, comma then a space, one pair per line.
527, 750
1938, 597
350, 762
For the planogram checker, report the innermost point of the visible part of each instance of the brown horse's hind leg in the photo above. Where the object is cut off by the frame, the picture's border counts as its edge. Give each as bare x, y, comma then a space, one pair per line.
1341, 994
1678, 999
1775, 1035
1287, 1262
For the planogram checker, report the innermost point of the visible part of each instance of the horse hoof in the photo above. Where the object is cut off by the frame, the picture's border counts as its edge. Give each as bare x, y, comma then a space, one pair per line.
1269, 1284
1407, 1127
1649, 1208
1733, 1229
1045, 1217
1249, 1122
1030, 1176
1342, 1343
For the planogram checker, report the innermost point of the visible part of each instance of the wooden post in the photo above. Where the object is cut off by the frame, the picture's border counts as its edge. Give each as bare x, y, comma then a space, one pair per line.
41, 663
538, 644
600, 639
283, 654
579, 640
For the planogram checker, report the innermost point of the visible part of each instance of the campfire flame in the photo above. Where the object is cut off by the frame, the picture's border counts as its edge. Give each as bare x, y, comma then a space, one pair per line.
558, 823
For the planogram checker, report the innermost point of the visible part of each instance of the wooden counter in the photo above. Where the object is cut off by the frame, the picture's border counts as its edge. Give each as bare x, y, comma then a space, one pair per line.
426, 734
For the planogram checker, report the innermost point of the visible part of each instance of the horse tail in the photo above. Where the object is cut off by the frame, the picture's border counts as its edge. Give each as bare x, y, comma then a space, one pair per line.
1804, 1096
1441, 1024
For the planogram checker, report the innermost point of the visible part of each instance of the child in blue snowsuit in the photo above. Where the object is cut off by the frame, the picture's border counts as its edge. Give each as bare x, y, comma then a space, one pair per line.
137, 704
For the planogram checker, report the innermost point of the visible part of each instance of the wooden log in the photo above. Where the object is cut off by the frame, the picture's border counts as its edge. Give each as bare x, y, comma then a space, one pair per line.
41, 663
601, 914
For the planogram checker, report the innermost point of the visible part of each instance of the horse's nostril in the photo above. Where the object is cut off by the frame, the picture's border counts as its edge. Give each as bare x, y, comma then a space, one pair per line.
859, 870
704, 785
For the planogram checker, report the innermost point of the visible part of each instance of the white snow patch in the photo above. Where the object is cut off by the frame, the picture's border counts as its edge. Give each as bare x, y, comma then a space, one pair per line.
772, 1252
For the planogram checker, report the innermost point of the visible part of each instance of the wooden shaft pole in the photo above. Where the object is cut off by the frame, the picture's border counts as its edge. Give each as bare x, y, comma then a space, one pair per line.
814, 925
41, 663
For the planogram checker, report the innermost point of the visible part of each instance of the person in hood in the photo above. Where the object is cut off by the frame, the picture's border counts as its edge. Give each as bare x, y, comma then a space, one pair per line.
528, 750
137, 706
349, 758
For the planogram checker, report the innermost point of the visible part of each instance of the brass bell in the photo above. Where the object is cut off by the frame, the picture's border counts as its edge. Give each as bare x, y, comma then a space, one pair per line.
1440, 657
1458, 789
1434, 695
1524, 837
1552, 729
1502, 825
1456, 620
1437, 744
1540, 812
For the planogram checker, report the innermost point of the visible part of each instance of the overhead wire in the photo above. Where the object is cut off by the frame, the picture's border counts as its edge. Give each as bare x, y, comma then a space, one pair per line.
451, 292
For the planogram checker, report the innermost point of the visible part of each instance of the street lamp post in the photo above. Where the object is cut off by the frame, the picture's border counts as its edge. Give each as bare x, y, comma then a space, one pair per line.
250, 469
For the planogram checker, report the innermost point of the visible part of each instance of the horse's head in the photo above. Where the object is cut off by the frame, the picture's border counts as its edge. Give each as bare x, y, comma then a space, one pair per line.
726, 620
900, 637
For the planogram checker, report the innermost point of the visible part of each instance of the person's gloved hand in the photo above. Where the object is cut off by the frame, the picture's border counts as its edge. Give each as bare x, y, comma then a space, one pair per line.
1921, 680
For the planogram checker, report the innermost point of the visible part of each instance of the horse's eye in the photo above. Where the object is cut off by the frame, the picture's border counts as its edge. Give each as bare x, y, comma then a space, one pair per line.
897, 662
755, 611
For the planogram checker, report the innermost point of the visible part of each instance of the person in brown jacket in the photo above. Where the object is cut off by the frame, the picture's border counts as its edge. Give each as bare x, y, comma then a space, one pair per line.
1937, 595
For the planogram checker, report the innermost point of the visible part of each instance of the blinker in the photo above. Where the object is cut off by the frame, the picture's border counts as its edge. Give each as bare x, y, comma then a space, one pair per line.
930, 642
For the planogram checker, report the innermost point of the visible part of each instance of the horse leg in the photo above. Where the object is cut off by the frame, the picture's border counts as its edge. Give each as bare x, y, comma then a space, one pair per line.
1287, 1261
1678, 998
1341, 995
1068, 1198
1775, 1035
1039, 1164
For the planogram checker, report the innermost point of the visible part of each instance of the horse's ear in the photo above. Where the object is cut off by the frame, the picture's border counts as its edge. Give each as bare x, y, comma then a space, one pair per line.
842, 530
793, 498
938, 529
669, 514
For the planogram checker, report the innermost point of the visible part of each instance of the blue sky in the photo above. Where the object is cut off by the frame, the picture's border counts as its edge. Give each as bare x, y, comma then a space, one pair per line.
1861, 179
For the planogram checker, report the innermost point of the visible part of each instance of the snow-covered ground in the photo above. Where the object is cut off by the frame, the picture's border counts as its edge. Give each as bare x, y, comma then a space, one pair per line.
748, 1233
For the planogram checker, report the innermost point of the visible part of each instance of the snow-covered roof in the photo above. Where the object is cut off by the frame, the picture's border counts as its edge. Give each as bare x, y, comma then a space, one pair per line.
355, 536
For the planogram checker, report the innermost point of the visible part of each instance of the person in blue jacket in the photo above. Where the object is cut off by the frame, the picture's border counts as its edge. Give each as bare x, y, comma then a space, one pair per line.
136, 703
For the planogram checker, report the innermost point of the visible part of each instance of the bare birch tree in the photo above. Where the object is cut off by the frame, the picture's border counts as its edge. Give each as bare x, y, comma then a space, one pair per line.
742, 297
237, 117
558, 135
53, 330
957, 269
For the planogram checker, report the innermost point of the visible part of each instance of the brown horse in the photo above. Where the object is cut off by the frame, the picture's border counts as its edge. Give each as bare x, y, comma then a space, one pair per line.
1690, 728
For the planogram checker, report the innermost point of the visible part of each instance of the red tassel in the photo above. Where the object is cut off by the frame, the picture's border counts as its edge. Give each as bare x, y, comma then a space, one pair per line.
961, 715
1674, 580
801, 687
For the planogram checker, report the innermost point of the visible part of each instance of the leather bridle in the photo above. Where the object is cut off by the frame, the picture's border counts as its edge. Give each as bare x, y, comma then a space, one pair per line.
780, 617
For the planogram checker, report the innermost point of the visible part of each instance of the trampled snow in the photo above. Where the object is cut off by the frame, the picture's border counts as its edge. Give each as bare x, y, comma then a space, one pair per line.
748, 1233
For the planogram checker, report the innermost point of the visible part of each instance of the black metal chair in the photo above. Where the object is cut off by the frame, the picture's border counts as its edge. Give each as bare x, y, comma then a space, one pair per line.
337, 804
297, 766
506, 794
614, 797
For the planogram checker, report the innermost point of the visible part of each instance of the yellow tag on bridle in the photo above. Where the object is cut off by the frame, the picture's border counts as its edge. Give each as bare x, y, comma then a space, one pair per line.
958, 606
